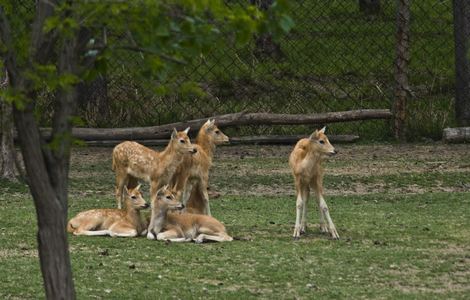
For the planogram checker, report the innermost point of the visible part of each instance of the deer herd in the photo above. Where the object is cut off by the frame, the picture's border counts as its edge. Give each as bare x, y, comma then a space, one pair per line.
178, 177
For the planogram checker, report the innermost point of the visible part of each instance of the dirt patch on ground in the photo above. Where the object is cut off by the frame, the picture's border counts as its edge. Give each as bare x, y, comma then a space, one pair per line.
11, 253
356, 170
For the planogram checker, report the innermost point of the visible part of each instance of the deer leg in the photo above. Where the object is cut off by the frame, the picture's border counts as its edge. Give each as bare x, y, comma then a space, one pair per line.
121, 181
208, 237
154, 186
171, 235
323, 225
326, 215
211, 234
303, 220
91, 232
119, 230
86, 227
299, 208
150, 229
188, 188
317, 185
207, 208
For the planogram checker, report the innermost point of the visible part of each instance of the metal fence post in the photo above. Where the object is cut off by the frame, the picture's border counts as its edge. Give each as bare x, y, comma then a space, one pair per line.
401, 68
462, 61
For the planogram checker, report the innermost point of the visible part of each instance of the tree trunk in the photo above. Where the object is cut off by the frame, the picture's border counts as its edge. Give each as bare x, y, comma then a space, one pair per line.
50, 210
369, 7
46, 165
7, 147
401, 69
462, 61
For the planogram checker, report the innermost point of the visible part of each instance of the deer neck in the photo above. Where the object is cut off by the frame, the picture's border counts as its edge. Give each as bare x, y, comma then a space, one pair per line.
132, 214
206, 144
160, 218
170, 158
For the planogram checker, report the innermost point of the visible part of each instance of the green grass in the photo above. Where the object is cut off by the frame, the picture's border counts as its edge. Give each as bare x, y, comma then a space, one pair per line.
394, 244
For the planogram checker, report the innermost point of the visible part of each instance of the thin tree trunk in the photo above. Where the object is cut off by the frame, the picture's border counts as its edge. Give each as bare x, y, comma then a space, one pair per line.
8, 157
401, 68
462, 61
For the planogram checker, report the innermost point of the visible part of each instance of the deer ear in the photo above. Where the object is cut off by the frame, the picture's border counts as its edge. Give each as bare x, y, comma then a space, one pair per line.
160, 190
213, 122
186, 130
174, 133
126, 189
138, 187
323, 130
314, 135
208, 122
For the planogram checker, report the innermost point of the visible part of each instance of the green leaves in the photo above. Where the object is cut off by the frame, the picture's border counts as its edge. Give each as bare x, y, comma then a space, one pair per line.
164, 37
286, 23
46, 77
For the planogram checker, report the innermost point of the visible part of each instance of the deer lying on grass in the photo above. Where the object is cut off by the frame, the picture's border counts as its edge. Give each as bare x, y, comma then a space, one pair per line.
192, 175
306, 164
125, 222
133, 161
181, 227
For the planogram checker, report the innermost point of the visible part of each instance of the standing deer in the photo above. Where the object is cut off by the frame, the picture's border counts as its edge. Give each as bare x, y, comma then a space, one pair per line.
125, 222
306, 164
181, 227
133, 161
192, 175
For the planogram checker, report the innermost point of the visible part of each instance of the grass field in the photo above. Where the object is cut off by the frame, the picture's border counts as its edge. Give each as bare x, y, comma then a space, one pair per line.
402, 212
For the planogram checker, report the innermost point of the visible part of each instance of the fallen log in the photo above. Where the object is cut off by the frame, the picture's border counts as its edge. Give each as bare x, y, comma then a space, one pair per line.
258, 140
456, 135
235, 119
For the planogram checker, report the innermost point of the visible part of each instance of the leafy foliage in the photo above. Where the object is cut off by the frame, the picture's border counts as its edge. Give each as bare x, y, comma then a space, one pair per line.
166, 34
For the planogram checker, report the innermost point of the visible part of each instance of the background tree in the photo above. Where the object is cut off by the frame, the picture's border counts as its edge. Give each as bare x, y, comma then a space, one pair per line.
56, 48
7, 147
462, 61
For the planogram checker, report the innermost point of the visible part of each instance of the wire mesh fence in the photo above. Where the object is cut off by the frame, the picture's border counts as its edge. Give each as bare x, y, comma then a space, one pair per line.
340, 56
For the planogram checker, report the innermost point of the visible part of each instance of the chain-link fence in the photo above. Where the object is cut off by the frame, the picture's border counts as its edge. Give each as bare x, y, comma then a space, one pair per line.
340, 56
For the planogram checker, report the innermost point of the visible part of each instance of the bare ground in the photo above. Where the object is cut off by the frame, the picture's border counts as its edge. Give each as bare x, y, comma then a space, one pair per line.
355, 170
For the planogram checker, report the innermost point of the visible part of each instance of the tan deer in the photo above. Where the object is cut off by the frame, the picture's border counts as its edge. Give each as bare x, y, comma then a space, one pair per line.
306, 164
192, 175
181, 227
133, 161
125, 222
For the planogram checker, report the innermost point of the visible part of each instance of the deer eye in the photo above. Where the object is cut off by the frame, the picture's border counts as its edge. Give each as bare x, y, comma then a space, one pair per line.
217, 132
182, 141
321, 142
168, 197
133, 197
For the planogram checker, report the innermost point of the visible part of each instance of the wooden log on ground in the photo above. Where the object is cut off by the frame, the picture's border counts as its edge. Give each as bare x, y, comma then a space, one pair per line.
258, 140
456, 135
235, 119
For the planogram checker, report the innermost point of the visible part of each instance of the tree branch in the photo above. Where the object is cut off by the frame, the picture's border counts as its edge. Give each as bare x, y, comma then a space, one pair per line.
42, 45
